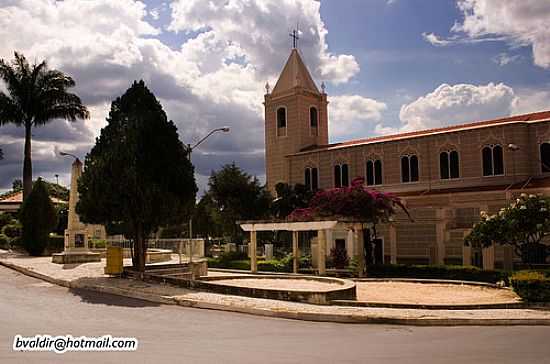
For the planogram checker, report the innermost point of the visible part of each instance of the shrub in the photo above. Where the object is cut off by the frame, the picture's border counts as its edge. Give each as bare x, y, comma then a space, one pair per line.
4, 242
229, 256
228, 264
339, 258
38, 218
98, 243
12, 230
455, 272
531, 286
5, 219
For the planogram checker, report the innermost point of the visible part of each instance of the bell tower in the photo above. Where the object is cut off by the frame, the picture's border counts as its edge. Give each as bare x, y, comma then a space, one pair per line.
295, 118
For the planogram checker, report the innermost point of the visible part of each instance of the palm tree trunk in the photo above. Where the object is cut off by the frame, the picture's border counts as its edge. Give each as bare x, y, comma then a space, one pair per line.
27, 163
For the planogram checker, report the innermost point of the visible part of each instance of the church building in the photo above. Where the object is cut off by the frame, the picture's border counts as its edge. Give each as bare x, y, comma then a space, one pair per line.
445, 176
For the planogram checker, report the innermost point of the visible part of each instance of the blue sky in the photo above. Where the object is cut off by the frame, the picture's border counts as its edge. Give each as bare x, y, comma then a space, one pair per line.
389, 66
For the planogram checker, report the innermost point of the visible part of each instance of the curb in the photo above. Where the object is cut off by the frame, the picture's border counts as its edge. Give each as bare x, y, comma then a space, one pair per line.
360, 319
278, 313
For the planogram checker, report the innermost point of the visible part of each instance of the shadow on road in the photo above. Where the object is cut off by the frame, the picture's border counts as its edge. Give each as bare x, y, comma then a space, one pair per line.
109, 299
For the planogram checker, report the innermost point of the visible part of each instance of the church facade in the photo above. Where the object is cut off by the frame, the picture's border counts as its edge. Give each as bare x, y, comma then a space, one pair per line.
445, 176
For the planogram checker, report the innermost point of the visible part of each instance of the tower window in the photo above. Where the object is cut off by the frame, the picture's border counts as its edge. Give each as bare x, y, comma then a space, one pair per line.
341, 175
493, 160
281, 121
374, 172
449, 165
409, 168
313, 120
311, 179
313, 117
545, 157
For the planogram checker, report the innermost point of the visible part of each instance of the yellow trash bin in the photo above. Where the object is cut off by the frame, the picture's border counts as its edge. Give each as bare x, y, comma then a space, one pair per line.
114, 260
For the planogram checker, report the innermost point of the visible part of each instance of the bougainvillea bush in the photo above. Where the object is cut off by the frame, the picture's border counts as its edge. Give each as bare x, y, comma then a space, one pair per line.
523, 225
354, 202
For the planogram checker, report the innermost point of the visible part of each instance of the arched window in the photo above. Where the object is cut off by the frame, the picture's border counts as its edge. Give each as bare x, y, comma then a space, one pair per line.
311, 179
313, 120
493, 160
341, 175
545, 157
374, 172
449, 165
281, 121
409, 168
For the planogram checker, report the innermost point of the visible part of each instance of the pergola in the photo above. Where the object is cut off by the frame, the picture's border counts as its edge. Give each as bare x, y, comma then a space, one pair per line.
321, 226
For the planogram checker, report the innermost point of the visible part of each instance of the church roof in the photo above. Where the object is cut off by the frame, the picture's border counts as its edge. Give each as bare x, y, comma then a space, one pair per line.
294, 74
524, 118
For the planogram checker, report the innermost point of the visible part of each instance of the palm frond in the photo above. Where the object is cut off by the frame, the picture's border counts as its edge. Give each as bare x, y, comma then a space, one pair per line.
9, 112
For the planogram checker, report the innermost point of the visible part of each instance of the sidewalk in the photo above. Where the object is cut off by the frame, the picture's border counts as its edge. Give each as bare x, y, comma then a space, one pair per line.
90, 276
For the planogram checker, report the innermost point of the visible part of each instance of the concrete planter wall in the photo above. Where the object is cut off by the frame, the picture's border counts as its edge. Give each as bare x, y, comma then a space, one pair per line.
345, 288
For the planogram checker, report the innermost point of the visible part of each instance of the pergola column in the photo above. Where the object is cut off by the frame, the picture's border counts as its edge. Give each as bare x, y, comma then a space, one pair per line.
252, 252
489, 257
295, 252
321, 251
359, 248
393, 243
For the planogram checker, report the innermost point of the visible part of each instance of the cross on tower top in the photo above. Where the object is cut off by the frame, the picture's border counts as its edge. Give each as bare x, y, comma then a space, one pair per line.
294, 36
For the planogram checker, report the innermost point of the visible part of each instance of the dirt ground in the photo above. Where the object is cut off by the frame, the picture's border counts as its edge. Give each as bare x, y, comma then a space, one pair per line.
428, 293
284, 284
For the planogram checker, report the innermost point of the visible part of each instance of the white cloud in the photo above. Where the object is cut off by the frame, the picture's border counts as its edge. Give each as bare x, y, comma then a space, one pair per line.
531, 100
455, 104
503, 59
350, 115
521, 23
435, 40
260, 30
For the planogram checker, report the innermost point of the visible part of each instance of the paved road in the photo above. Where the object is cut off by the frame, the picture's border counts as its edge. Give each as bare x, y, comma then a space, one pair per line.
186, 335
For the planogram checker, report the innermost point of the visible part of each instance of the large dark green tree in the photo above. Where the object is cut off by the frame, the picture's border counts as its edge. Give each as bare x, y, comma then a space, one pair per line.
36, 95
290, 198
138, 175
38, 218
237, 196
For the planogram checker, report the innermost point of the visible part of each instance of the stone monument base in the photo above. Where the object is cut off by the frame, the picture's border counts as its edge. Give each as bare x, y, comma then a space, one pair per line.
76, 257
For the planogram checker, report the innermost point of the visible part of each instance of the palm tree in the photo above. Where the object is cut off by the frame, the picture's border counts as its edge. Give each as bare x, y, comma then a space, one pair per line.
36, 95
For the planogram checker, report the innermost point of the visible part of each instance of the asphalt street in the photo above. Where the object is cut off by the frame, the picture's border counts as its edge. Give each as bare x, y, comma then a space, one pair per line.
171, 334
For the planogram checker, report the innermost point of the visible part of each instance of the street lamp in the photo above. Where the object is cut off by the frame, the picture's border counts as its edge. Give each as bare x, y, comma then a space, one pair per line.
190, 148
56, 179
69, 155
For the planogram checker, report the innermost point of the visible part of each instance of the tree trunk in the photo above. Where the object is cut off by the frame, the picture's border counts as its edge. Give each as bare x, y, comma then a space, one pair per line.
138, 260
27, 163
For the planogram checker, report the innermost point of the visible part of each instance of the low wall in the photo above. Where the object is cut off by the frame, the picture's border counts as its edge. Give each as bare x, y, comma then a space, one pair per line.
345, 289
153, 255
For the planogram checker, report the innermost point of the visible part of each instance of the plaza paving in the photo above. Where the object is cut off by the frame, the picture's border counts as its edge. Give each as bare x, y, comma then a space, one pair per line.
90, 276
432, 293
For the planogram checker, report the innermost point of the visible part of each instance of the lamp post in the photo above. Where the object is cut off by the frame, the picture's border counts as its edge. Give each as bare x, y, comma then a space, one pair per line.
190, 149
56, 179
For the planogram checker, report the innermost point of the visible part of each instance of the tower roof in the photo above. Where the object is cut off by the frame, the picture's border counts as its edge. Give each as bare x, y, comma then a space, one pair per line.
294, 74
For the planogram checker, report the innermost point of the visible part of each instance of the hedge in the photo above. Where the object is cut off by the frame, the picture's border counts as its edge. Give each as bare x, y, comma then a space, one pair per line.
263, 265
454, 272
531, 286
4, 242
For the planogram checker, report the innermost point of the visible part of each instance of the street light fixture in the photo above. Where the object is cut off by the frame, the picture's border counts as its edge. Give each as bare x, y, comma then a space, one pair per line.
224, 129
190, 148
64, 154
